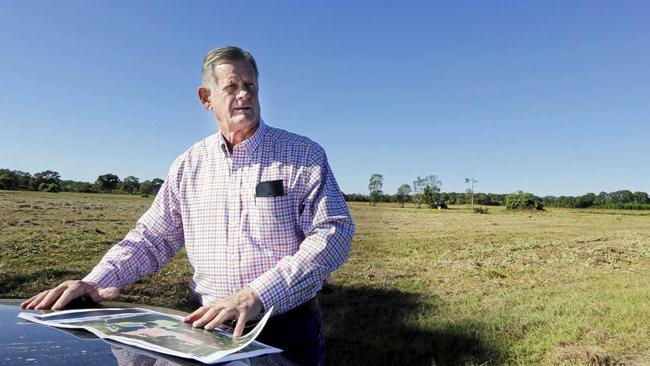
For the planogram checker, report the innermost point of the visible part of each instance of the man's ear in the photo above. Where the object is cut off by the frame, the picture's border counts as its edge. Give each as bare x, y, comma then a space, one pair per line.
204, 97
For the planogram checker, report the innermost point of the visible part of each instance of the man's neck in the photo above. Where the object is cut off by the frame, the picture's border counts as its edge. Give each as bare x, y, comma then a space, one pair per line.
233, 138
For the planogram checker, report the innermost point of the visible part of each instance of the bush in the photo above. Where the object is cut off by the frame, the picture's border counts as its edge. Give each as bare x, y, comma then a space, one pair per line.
480, 210
49, 187
523, 201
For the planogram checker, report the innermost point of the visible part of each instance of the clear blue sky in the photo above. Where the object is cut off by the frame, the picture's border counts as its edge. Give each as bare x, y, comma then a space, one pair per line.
551, 97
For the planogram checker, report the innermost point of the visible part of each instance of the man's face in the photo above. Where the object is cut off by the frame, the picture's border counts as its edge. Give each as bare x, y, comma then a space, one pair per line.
234, 99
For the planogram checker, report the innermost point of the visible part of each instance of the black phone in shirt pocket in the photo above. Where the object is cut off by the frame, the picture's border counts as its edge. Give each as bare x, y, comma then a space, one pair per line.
271, 188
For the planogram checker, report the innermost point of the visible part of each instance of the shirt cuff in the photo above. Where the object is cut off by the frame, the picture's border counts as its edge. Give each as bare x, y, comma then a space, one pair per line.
270, 291
104, 277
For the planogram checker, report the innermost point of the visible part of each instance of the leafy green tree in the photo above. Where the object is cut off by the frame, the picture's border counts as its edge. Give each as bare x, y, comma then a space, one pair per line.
584, 201
8, 179
429, 196
430, 190
403, 194
49, 187
641, 197
150, 187
130, 185
79, 187
107, 182
23, 179
418, 186
622, 196
375, 186
356, 197
47, 180
157, 184
601, 199
523, 201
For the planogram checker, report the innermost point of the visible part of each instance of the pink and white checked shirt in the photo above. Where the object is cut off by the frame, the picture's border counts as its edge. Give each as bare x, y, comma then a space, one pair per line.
283, 247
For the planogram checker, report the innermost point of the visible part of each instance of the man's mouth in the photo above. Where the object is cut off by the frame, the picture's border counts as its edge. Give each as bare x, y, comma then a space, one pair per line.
243, 108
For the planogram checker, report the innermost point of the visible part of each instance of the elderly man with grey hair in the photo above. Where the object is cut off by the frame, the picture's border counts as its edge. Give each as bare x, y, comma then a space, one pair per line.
258, 211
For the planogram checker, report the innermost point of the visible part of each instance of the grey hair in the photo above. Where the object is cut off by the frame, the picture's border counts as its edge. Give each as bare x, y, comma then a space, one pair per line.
219, 55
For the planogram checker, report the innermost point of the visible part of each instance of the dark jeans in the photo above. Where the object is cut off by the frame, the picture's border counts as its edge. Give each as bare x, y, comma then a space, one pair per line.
299, 333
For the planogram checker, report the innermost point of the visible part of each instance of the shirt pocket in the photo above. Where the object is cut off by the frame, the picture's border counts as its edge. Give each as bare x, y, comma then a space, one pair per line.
273, 211
273, 224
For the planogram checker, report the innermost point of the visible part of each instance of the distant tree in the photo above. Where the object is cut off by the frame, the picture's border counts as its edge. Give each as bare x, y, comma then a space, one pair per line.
622, 196
130, 185
523, 201
107, 182
433, 182
22, 179
602, 199
418, 187
641, 197
375, 186
430, 190
47, 180
79, 187
429, 196
489, 199
584, 201
356, 197
8, 179
403, 194
49, 187
146, 188
157, 184
150, 187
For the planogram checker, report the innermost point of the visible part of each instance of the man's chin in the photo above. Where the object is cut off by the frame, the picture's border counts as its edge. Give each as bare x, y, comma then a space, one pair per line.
238, 124
244, 121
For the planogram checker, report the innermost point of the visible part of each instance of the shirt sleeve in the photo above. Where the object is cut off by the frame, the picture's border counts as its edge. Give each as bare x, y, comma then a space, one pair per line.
156, 238
328, 228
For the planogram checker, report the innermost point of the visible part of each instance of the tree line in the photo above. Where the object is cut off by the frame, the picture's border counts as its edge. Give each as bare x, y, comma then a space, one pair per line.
50, 181
623, 199
426, 190
423, 191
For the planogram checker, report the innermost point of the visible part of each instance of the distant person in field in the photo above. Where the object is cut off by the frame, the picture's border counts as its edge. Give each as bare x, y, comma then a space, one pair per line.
260, 214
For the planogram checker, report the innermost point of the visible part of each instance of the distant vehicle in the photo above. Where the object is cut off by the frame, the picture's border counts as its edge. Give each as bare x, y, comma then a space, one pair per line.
440, 205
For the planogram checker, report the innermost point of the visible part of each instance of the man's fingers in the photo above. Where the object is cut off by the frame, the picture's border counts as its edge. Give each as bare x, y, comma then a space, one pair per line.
35, 300
68, 295
225, 314
67, 291
207, 317
239, 328
25, 303
51, 297
196, 314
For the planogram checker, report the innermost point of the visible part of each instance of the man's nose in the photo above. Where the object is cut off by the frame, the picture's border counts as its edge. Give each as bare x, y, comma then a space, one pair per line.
244, 94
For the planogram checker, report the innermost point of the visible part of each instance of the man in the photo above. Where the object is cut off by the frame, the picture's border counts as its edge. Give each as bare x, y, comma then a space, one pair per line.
258, 210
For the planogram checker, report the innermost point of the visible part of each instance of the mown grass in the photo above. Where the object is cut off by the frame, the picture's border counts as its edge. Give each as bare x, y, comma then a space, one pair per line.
421, 286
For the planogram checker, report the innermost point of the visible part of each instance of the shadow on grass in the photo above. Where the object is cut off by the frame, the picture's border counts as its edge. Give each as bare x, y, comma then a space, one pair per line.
371, 326
13, 285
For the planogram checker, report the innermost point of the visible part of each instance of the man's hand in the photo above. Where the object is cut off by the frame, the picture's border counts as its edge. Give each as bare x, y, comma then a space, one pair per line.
241, 307
58, 297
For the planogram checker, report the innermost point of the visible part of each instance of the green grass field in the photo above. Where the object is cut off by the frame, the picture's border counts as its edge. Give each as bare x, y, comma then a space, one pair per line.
421, 287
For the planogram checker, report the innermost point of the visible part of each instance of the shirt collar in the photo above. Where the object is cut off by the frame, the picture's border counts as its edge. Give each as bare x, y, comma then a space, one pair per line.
250, 144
